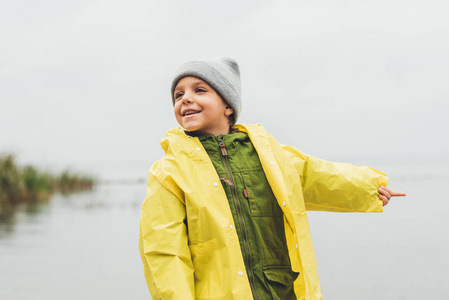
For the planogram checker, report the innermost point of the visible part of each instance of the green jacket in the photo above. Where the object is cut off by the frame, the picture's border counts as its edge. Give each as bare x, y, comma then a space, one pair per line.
257, 215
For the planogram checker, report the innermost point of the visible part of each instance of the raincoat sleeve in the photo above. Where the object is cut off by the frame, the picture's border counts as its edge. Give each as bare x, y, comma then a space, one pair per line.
163, 244
338, 187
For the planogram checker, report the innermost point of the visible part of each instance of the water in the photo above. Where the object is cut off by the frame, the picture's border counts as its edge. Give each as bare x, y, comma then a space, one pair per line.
398, 254
85, 246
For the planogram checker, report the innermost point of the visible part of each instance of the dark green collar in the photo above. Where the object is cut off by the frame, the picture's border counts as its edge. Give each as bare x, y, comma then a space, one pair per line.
231, 140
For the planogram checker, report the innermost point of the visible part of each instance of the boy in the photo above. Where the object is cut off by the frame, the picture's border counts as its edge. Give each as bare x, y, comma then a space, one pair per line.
225, 211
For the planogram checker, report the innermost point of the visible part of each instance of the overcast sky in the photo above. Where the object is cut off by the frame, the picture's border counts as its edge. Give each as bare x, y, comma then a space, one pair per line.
86, 82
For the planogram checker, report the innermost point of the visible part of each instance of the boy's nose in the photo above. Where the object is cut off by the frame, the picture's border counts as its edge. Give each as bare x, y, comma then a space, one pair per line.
187, 98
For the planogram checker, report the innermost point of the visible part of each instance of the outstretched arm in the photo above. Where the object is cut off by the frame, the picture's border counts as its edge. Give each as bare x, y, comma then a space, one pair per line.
385, 194
339, 187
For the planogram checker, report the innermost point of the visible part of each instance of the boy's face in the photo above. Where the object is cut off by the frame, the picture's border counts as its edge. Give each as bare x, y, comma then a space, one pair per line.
199, 108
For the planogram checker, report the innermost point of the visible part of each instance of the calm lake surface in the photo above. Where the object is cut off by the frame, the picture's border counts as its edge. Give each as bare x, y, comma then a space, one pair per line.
85, 246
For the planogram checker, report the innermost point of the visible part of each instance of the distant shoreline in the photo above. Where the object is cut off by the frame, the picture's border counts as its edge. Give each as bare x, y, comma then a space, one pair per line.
23, 185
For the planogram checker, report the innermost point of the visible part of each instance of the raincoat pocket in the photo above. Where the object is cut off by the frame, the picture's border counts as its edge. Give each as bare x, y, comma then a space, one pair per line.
261, 199
208, 282
280, 281
202, 253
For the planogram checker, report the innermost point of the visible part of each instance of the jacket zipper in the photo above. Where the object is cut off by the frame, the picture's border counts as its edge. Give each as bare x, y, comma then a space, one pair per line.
224, 154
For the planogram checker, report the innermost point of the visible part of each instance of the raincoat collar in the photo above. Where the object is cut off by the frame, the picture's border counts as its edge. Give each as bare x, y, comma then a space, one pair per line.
177, 135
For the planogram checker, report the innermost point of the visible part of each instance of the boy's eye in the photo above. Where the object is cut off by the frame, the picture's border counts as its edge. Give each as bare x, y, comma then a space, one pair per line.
200, 90
178, 95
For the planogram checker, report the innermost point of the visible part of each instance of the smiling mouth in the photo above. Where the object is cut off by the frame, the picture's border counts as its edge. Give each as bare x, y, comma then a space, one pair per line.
191, 112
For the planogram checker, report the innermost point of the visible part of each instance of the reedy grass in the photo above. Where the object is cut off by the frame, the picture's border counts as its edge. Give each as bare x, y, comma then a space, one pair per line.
29, 185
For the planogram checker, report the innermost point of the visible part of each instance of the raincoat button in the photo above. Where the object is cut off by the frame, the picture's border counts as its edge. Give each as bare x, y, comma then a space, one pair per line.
283, 203
215, 183
198, 148
272, 163
296, 246
240, 273
261, 134
230, 226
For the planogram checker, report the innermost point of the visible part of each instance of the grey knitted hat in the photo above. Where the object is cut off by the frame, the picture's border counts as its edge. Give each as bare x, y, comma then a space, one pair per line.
221, 73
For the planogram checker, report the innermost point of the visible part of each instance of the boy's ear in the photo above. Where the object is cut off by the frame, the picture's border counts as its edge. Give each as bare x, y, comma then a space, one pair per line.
229, 111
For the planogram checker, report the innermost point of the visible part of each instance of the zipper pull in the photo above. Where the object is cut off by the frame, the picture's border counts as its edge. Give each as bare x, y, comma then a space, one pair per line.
227, 181
245, 193
223, 148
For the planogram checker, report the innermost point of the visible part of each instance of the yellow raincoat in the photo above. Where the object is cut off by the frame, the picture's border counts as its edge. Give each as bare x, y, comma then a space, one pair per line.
188, 244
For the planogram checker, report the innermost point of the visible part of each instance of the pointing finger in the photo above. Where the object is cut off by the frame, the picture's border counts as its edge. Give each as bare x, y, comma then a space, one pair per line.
400, 194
